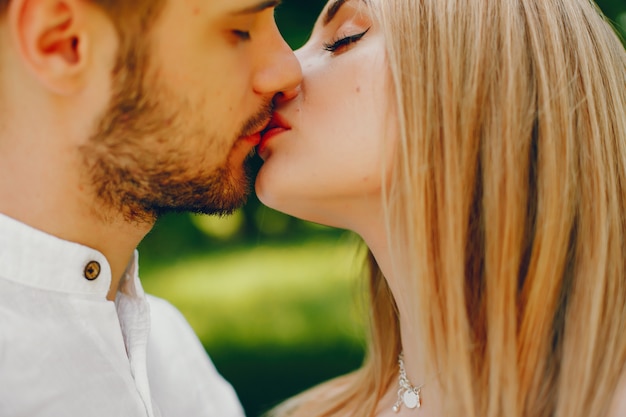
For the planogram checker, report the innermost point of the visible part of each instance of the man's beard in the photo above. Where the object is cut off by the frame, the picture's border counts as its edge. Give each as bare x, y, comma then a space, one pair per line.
135, 159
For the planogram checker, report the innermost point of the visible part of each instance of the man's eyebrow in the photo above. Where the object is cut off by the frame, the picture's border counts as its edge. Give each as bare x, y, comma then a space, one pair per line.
259, 7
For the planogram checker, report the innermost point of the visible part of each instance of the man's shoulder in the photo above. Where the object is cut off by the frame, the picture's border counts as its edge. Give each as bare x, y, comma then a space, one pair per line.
163, 309
171, 335
180, 369
168, 322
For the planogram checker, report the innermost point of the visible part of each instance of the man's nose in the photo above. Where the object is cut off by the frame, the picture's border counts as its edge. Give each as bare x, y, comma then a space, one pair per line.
280, 71
284, 97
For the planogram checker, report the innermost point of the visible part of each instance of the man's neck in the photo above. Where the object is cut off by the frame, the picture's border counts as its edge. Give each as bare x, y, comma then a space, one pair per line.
47, 190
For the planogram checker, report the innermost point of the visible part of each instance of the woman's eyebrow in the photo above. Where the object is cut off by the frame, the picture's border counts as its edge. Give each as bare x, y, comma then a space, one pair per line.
333, 10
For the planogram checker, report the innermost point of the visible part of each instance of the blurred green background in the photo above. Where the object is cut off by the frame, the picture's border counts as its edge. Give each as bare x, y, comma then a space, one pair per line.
276, 302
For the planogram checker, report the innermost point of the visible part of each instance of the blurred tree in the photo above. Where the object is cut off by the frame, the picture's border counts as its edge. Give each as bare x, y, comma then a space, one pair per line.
615, 10
296, 18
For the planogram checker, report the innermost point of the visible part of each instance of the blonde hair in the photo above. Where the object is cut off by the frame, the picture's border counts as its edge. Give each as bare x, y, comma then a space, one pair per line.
506, 210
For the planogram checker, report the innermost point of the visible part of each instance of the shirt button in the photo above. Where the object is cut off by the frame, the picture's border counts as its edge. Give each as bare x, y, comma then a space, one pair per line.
92, 270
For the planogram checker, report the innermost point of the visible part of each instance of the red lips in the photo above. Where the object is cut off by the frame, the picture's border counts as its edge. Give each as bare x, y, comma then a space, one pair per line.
254, 138
276, 126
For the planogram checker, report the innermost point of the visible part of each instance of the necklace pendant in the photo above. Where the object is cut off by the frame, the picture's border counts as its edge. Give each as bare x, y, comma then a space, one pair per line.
408, 394
412, 399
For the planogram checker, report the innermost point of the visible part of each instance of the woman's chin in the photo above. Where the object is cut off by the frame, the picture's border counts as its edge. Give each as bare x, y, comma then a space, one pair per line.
269, 193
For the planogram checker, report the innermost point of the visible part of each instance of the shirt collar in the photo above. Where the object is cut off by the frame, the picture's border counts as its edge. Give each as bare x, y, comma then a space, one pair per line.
31, 257
130, 284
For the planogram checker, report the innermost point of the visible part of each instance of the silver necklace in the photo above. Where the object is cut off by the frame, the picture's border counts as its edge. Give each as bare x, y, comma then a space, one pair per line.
408, 394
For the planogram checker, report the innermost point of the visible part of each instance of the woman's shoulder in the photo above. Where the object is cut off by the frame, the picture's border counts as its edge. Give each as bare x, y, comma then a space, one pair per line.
322, 400
618, 405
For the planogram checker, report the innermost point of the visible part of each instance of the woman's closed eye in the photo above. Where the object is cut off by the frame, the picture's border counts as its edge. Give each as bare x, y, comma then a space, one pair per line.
341, 44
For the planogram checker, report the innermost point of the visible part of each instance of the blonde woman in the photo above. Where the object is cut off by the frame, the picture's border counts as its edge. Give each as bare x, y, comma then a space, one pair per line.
479, 149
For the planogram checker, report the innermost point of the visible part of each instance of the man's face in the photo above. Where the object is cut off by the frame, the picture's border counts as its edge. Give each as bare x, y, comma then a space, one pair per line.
188, 100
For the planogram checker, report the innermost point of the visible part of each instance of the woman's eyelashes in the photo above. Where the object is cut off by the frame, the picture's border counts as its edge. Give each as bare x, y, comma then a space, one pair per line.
340, 45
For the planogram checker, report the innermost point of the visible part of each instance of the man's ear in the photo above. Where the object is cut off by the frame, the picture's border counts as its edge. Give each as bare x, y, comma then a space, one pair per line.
52, 40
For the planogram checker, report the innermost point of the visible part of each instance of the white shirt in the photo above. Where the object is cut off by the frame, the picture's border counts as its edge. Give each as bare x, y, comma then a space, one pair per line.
66, 351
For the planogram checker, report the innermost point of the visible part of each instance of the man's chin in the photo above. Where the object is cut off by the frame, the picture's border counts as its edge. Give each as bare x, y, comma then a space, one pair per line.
223, 208
219, 198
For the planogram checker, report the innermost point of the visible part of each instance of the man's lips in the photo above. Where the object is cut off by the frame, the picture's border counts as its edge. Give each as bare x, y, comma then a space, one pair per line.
275, 127
255, 138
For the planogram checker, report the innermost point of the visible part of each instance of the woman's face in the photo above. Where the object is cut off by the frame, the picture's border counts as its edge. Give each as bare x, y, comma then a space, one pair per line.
324, 162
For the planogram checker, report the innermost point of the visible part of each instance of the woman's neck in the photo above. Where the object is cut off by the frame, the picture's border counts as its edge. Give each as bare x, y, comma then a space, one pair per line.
412, 345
